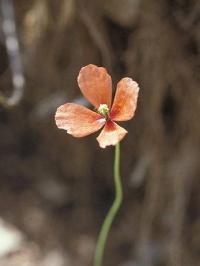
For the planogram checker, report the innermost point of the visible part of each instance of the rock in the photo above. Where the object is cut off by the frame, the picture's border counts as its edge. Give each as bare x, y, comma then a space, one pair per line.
122, 12
10, 239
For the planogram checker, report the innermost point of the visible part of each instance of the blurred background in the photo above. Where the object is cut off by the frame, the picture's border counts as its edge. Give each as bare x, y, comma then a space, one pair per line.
55, 190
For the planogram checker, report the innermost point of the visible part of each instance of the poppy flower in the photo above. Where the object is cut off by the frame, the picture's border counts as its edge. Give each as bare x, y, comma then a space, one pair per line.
96, 85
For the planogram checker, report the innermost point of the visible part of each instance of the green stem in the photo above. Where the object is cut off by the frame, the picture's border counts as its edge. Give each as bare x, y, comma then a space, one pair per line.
103, 235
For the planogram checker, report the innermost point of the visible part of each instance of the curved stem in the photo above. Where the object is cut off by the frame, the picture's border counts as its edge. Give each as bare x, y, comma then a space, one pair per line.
103, 235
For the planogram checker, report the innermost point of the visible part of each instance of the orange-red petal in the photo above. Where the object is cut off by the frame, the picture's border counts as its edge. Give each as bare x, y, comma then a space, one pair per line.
96, 85
111, 134
125, 101
78, 120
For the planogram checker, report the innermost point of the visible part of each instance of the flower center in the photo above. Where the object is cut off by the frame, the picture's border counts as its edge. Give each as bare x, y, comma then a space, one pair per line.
103, 110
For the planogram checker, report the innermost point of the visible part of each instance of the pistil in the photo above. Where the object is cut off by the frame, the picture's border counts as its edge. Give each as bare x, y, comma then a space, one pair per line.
103, 110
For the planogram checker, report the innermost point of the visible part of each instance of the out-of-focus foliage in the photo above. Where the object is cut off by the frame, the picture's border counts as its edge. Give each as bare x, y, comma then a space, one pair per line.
55, 189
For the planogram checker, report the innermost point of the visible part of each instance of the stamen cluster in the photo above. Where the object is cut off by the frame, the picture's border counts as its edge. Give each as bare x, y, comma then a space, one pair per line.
104, 110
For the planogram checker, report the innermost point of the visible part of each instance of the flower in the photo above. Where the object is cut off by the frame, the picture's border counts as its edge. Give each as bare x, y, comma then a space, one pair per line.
96, 85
